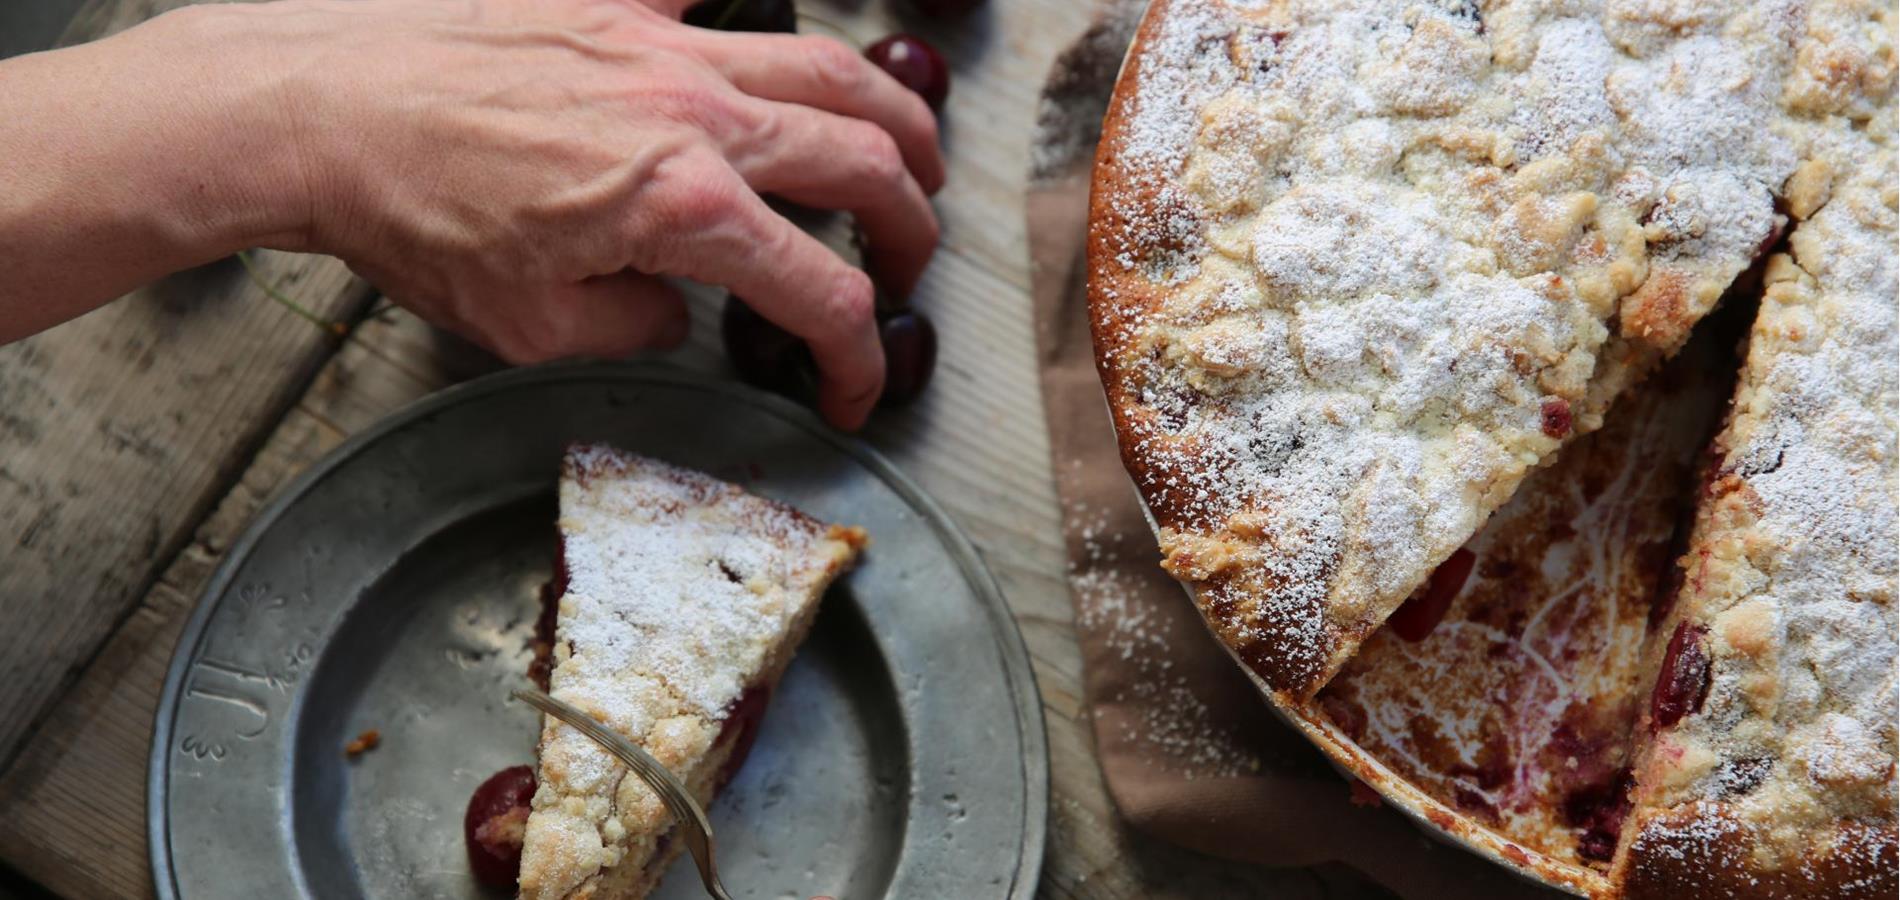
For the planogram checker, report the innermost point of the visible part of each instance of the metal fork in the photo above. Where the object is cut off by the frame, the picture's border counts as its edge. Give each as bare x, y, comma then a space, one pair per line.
685, 810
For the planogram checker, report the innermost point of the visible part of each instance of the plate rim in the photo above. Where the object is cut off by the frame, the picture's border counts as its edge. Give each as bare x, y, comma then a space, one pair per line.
1017, 670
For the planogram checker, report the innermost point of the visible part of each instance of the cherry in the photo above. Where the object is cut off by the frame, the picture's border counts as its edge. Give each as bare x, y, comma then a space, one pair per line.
910, 355
1683, 683
766, 355
1556, 418
915, 64
494, 824
772, 358
743, 15
1419, 614
944, 9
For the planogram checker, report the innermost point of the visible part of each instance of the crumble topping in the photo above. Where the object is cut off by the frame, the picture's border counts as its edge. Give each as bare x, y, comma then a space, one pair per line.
1348, 254
1792, 568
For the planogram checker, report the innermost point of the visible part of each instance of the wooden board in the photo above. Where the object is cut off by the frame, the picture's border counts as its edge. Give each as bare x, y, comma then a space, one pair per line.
72, 808
117, 432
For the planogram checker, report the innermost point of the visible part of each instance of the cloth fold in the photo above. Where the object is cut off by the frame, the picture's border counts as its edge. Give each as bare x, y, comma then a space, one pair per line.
1190, 751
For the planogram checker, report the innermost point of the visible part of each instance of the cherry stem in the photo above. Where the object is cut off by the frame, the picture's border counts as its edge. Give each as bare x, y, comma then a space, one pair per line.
833, 27
270, 290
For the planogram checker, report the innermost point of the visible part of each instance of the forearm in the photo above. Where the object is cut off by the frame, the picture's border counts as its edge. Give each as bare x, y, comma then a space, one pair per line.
164, 147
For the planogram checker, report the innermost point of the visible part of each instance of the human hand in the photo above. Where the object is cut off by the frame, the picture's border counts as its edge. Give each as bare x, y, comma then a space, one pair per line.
521, 172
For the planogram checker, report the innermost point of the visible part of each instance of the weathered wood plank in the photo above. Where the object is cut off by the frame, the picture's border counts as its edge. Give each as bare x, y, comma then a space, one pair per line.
75, 800
117, 432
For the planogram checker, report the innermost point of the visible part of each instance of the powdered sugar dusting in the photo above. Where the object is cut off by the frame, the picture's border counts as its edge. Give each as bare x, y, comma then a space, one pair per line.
673, 576
1793, 567
680, 591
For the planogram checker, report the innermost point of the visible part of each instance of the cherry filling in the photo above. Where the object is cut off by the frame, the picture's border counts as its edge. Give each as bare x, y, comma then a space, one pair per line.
742, 728
495, 823
1597, 812
1420, 613
497, 817
543, 643
1556, 418
1684, 681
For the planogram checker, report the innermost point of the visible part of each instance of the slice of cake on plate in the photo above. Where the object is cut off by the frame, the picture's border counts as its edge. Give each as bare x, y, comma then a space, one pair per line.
681, 600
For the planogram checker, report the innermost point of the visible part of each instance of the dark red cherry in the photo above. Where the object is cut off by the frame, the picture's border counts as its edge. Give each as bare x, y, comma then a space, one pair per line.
944, 9
742, 727
743, 15
915, 65
1556, 418
1419, 614
494, 825
910, 355
1683, 683
766, 355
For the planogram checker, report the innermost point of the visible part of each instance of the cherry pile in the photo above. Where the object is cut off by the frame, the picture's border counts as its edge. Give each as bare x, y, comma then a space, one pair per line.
906, 57
768, 356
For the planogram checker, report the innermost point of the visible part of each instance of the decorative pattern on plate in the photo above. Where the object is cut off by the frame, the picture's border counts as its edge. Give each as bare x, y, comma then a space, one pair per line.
681, 601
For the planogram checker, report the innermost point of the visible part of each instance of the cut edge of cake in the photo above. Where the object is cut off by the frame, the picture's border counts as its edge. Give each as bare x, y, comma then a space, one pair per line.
1766, 760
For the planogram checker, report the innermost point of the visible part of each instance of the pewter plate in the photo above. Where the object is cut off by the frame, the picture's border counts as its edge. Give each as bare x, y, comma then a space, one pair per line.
393, 587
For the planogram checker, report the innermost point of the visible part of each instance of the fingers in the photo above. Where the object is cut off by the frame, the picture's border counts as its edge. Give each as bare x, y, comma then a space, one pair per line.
606, 316
831, 162
825, 74
729, 237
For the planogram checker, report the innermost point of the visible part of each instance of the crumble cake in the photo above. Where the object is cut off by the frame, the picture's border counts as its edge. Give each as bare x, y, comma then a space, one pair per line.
1356, 266
680, 601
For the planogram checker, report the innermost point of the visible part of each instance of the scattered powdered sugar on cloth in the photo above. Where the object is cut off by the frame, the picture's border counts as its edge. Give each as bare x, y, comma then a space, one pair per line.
1171, 721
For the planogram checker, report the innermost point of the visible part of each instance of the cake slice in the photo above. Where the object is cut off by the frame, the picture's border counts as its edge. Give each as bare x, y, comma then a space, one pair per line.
1768, 770
681, 600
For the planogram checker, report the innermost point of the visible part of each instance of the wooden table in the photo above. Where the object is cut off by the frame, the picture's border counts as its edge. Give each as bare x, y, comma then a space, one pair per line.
138, 441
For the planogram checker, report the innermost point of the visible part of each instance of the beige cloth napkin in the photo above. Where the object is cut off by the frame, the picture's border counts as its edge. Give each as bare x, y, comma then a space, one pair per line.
1189, 750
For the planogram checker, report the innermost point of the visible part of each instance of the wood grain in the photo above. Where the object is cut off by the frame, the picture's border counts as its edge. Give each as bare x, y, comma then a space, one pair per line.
117, 432
73, 803
75, 800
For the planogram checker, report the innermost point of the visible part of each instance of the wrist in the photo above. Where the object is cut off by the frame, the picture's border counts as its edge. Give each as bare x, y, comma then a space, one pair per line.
216, 84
